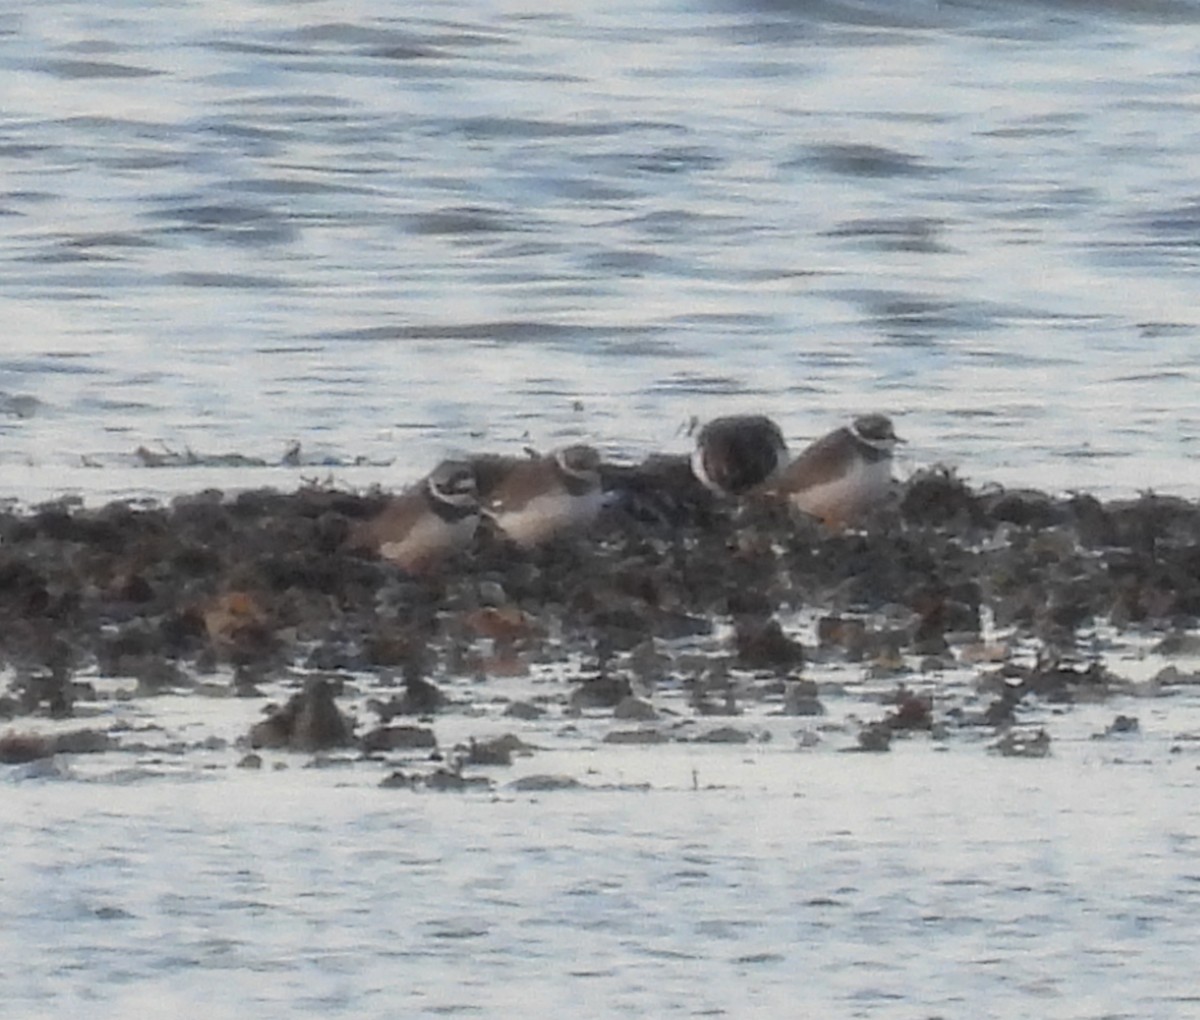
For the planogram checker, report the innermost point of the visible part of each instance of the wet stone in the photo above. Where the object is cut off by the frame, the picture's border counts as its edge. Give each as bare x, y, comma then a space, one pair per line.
635, 737
761, 644
19, 748
310, 721
724, 735
495, 750
544, 783
800, 698
599, 692
524, 710
453, 781
1020, 743
398, 738
634, 709
874, 737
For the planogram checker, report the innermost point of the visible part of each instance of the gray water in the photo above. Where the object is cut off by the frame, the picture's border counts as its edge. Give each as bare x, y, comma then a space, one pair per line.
392, 231
389, 235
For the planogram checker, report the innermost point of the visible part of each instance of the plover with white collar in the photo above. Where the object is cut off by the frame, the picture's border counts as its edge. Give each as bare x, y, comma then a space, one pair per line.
844, 475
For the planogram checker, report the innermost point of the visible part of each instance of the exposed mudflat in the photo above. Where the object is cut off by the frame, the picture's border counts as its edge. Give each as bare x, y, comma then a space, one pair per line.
956, 613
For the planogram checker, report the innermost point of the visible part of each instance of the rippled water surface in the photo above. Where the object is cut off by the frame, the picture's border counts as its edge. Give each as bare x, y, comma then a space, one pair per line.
388, 235
390, 231
782, 877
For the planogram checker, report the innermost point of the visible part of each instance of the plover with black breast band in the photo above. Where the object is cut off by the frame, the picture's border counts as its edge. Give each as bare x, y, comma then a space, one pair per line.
426, 523
845, 475
538, 499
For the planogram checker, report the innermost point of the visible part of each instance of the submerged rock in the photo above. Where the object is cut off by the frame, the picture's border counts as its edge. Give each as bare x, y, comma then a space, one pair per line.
544, 783
495, 750
398, 738
20, 748
648, 736
524, 710
453, 779
634, 709
1017, 743
800, 698
762, 644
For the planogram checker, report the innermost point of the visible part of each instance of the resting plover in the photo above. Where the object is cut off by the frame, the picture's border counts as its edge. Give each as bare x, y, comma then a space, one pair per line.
426, 523
845, 475
738, 453
538, 499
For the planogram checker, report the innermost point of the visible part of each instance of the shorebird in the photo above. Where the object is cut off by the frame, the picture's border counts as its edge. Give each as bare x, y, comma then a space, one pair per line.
426, 523
538, 499
738, 453
844, 475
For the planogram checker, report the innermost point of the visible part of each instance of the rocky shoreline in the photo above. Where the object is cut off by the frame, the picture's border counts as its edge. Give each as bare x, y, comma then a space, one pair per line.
672, 586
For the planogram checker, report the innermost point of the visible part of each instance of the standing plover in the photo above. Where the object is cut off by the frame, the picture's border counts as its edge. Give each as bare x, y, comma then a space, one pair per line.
537, 499
427, 522
738, 453
845, 475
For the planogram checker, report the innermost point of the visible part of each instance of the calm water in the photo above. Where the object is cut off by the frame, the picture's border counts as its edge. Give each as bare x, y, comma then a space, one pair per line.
388, 232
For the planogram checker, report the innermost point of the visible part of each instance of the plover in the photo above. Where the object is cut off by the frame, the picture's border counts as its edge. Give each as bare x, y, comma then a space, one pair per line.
426, 523
738, 453
538, 499
845, 475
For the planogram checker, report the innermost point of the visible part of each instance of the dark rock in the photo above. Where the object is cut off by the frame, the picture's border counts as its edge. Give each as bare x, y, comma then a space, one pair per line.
495, 751
420, 697
398, 738
634, 709
524, 710
1016, 743
544, 784
912, 712
937, 497
599, 692
800, 698
1025, 508
454, 780
310, 721
875, 737
723, 735
634, 737
19, 748
82, 742
846, 634
761, 644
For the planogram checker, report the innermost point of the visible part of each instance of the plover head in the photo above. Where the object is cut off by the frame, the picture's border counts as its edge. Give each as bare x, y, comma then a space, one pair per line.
580, 463
453, 483
875, 431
